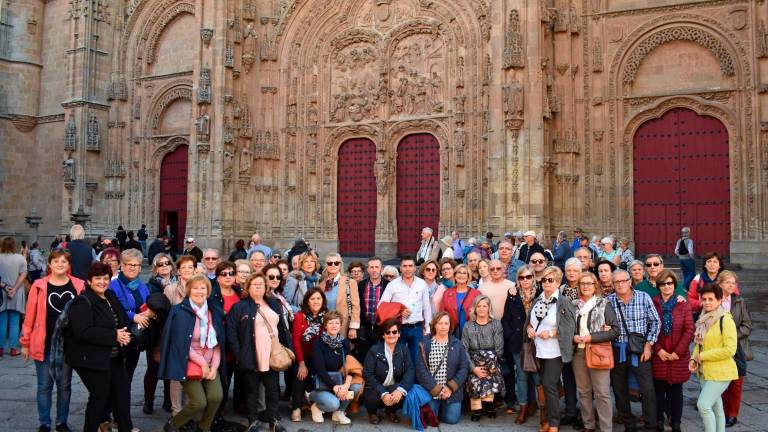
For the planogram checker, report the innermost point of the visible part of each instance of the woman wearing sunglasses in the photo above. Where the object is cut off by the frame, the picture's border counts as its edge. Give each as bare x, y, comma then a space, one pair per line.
516, 310
388, 373
428, 272
341, 294
390, 273
551, 325
163, 273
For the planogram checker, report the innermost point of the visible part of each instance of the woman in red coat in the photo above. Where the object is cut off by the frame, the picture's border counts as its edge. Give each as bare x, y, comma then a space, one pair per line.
671, 354
460, 296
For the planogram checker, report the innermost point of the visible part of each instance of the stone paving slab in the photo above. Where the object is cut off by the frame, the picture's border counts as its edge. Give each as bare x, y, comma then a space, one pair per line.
18, 412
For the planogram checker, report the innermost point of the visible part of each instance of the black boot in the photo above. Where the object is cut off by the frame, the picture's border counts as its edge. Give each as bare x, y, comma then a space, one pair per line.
148, 407
490, 409
276, 426
476, 415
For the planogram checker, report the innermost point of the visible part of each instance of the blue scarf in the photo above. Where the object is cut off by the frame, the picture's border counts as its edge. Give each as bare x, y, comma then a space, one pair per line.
133, 287
311, 280
448, 283
666, 314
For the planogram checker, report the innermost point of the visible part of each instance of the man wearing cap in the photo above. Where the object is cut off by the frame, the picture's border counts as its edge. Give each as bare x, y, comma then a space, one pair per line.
191, 249
578, 233
530, 247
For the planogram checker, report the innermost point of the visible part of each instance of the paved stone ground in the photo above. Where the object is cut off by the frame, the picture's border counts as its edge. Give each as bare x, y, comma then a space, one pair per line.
18, 411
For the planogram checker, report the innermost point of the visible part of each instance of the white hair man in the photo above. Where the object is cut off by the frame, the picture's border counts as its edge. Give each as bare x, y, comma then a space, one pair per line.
81, 253
429, 248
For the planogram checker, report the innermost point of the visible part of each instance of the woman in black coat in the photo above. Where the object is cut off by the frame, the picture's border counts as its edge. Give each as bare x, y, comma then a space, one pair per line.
249, 323
94, 348
379, 391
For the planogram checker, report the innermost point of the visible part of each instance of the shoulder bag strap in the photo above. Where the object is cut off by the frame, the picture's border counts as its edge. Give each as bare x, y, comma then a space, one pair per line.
269, 326
623, 320
349, 301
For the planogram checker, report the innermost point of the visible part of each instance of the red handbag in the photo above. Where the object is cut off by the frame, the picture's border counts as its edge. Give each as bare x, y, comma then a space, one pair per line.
194, 371
387, 310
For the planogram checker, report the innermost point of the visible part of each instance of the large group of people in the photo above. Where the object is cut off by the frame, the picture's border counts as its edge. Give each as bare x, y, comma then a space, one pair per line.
472, 327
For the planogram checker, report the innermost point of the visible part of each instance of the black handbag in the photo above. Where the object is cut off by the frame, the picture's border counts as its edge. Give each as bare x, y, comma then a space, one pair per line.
636, 340
740, 357
139, 337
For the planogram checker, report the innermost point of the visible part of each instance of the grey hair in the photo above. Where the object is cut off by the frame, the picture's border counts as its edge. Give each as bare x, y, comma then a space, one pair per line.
478, 299
333, 255
686, 229
131, 254
157, 258
472, 241
654, 255
428, 229
634, 263
572, 262
77, 232
218, 254
562, 234
390, 269
594, 237
619, 272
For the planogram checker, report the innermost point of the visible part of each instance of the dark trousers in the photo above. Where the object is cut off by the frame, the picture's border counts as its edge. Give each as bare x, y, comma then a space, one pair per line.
366, 338
620, 384
298, 389
549, 373
510, 379
150, 380
372, 400
569, 385
233, 380
669, 399
270, 379
131, 360
105, 387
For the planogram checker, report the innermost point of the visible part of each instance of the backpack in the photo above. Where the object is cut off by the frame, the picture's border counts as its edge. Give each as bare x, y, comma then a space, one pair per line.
683, 248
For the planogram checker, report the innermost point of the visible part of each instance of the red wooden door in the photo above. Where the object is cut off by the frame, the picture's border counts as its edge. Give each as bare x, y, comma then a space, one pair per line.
682, 178
418, 190
356, 198
173, 193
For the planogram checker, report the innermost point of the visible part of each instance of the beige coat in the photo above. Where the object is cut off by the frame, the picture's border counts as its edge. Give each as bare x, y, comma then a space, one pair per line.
175, 292
348, 321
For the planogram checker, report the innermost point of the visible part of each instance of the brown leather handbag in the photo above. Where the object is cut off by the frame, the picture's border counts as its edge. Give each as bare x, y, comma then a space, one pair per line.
280, 357
599, 355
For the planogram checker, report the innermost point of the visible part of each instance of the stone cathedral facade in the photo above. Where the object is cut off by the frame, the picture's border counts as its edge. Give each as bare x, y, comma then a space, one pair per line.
355, 122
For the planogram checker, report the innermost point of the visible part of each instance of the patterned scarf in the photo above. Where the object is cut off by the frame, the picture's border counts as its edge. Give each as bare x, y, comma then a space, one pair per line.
527, 296
705, 321
542, 305
311, 280
333, 342
666, 314
207, 334
313, 327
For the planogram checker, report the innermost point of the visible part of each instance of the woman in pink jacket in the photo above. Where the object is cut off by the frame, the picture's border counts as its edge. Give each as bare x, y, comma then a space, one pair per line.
47, 298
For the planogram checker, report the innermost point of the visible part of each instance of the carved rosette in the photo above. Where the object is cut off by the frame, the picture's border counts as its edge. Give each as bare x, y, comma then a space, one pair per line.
206, 35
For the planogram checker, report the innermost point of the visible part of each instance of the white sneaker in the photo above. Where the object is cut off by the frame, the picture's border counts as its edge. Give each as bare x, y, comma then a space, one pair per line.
340, 418
296, 415
317, 415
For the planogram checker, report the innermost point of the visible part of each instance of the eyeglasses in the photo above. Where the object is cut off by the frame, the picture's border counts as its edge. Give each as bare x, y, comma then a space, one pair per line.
392, 332
163, 264
495, 269
653, 264
538, 261
227, 273
525, 277
586, 284
274, 277
132, 265
672, 283
621, 281
548, 280
388, 276
277, 256
333, 263
211, 258
446, 269
430, 269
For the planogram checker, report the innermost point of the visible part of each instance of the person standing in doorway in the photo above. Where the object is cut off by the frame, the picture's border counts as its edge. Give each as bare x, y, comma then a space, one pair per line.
142, 236
685, 252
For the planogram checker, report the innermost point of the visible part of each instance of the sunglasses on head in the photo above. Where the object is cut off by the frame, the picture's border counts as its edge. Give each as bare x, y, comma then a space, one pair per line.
392, 332
227, 273
333, 263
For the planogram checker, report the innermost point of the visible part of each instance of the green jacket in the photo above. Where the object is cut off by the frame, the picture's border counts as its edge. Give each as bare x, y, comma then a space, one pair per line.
646, 287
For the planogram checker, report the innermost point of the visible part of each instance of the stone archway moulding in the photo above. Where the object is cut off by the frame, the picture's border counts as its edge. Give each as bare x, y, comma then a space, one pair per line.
156, 161
677, 33
168, 95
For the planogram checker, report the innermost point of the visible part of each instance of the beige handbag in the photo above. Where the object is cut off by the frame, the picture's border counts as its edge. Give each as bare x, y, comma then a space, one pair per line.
280, 357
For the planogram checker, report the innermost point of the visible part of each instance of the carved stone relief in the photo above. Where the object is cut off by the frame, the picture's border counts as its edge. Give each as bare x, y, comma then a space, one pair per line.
70, 135
383, 15
68, 170
204, 91
355, 83
93, 133
416, 71
513, 42
597, 54
250, 43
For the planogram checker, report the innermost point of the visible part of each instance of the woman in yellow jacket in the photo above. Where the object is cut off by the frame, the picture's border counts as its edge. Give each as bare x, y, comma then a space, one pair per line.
712, 358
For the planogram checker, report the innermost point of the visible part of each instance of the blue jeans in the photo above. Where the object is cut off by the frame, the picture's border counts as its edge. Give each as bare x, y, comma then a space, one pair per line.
412, 336
9, 319
143, 244
688, 267
521, 380
328, 402
450, 413
710, 405
45, 390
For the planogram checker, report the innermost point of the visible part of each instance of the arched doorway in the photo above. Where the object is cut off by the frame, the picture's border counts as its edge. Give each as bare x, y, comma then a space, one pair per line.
173, 193
356, 198
682, 178
418, 190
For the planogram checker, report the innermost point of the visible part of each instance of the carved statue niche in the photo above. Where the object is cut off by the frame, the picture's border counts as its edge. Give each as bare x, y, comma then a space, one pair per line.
203, 124
93, 134
246, 161
204, 95
68, 170
70, 135
460, 143
250, 42
227, 164
383, 169
513, 42
514, 99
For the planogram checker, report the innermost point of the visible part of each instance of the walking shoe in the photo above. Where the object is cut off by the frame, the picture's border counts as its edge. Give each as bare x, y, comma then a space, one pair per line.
148, 408
15, 352
62, 427
168, 427
731, 421
43, 428
276, 426
254, 427
167, 406
374, 419
317, 414
296, 415
340, 418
